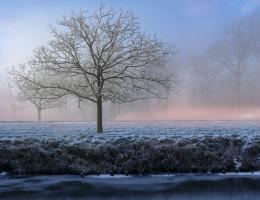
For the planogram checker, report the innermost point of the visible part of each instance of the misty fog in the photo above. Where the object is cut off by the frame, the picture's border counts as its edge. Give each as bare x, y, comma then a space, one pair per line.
217, 78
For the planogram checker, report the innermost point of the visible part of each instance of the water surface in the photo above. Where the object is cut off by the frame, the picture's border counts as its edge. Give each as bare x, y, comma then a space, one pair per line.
159, 187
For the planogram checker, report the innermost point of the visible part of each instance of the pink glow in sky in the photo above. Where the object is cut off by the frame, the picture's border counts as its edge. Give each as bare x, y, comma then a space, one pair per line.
189, 113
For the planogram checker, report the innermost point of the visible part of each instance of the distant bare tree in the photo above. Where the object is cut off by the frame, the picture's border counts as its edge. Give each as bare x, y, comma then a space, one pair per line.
102, 57
28, 91
12, 98
234, 53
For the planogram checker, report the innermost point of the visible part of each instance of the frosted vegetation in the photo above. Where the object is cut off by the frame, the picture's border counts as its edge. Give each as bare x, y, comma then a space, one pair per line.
129, 148
73, 133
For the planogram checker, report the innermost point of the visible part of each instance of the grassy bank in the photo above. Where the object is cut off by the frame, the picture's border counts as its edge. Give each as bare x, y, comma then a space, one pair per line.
130, 156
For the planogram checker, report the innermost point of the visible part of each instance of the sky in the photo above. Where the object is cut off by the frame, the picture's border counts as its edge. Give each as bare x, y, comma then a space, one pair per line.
189, 24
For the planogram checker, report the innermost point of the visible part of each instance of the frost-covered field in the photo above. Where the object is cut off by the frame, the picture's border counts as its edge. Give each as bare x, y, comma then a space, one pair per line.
130, 147
78, 132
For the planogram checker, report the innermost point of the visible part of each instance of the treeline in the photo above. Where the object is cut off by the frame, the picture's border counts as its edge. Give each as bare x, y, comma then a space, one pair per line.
228, 72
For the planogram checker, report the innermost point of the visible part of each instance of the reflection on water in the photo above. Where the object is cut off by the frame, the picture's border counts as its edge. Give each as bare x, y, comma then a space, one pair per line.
180, 187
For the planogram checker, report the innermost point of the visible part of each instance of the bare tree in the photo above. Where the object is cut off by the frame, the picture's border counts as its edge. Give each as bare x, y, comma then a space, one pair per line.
13, 100
234, 54
27, 91
103, 57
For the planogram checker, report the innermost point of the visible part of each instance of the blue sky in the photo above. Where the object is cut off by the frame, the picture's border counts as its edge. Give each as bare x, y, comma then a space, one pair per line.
190, 24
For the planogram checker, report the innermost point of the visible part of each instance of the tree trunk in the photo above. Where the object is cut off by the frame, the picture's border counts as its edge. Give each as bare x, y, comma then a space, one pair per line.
99, 115
238, 85
14, 114
39, 114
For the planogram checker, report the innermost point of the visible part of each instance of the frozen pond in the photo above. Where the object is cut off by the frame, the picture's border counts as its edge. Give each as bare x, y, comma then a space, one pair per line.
85, 132
159, 187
